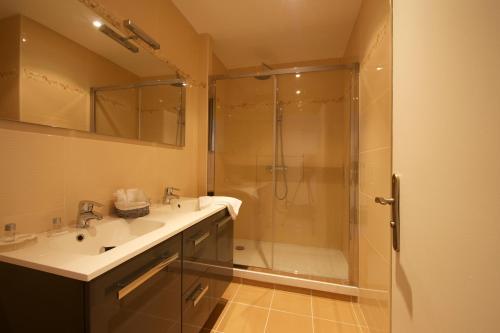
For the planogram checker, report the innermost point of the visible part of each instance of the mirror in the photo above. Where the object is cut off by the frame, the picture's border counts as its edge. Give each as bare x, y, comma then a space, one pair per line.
62, 65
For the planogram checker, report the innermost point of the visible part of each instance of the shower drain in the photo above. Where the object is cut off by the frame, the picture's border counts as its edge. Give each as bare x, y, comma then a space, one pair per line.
240, 247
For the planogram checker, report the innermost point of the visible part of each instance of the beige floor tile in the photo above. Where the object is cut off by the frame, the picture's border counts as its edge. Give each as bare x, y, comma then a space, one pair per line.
325, 326
231, 291
241, 318
281, 322
291, 300
337, 309
254, 295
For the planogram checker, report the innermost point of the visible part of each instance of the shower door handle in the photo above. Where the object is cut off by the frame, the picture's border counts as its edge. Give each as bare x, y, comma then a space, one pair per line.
394, 202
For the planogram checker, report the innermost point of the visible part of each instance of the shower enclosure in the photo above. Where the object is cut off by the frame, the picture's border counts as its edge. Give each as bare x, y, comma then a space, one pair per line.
285, 143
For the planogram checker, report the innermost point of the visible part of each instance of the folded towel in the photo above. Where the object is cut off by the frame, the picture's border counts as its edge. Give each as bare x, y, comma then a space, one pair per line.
233, 205
130, 199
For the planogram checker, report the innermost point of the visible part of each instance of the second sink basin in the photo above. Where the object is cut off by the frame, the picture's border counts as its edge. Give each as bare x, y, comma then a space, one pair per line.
182, 205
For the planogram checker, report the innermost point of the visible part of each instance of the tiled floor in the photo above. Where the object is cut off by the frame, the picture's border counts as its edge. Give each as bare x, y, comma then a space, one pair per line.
257, 308
297, 259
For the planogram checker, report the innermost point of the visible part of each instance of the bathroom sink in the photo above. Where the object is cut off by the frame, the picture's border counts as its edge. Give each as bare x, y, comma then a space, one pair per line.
185, 205
182, 205
102, 236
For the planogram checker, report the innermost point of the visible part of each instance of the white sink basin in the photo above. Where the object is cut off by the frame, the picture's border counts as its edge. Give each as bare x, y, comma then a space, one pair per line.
185, 205
94, 240
182, 205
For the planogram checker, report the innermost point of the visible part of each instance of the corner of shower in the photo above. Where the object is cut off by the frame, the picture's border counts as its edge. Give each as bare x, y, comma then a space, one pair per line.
288, 148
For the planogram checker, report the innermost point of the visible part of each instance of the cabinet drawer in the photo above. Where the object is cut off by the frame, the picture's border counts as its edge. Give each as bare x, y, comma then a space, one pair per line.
222, 272
199, 246
197, 304
137, 295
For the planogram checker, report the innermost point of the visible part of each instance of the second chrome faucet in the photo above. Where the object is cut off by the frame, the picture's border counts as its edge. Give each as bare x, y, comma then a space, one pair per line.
169, 195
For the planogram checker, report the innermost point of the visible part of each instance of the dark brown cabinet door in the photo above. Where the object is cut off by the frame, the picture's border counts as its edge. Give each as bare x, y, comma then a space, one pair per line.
222, 272
141, 295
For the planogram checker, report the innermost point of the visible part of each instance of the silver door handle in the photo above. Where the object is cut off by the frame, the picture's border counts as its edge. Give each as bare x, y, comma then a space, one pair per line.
394, 202
384, 201
201, 292
146, 276
221, 224
200, 239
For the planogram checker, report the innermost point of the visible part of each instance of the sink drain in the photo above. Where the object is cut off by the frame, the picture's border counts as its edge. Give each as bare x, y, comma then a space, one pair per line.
240, 247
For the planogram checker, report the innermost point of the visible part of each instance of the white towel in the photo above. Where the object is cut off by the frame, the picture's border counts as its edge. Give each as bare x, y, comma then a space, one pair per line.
233, 205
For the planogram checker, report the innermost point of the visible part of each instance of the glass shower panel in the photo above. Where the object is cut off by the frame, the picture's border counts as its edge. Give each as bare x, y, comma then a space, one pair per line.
244, 118
311, 201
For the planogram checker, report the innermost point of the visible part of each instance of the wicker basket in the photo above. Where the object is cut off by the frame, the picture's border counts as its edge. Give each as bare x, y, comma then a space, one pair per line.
132, 213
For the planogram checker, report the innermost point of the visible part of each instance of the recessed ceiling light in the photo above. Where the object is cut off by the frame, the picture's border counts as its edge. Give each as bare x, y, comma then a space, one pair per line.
97, 24
24, 40
298, 92
379, 68
297, 75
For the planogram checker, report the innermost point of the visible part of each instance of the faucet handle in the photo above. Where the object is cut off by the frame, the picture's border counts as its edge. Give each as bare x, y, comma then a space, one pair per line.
86, 206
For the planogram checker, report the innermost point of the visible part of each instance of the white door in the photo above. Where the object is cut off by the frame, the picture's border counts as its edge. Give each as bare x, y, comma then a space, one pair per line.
446, 126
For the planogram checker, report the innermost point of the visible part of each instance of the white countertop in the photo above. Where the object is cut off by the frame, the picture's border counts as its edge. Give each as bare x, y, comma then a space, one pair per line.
87, 267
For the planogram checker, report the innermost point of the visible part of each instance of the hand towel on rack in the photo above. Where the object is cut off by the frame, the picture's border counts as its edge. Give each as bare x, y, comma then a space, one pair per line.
233, 205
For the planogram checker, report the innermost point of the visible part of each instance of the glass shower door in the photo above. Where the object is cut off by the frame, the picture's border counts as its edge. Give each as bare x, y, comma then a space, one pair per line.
244, 120
311, 201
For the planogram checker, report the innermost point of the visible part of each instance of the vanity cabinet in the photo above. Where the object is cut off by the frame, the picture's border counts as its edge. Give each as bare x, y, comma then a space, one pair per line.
207, 260
172, 287
138, 296
35, 301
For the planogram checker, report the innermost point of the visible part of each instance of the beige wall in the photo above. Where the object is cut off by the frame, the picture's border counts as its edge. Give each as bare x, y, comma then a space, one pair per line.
447, 149
10, 32
370, 44
45, 171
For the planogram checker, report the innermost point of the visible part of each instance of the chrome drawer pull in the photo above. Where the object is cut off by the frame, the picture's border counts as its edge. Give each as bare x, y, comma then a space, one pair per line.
198, 298
220, 225
200, 239
146, 276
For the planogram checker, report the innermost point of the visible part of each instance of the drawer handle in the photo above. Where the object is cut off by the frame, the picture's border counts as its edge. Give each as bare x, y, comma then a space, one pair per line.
221, 224
200, 239
201, 292
146, 276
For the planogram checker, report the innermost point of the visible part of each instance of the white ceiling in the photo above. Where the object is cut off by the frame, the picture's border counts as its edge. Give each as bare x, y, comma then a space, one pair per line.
248, 32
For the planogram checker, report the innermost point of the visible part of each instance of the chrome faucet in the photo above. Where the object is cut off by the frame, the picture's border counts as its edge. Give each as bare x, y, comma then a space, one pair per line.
169, 195
86, 213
